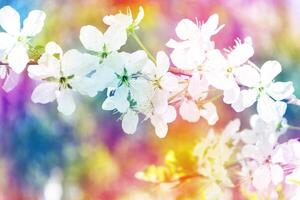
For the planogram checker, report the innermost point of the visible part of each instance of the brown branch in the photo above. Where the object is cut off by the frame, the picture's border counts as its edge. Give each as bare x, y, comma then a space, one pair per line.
178, 71
32, 62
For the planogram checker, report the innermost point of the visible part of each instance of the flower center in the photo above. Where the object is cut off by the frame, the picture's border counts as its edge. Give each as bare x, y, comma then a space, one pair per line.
63, 82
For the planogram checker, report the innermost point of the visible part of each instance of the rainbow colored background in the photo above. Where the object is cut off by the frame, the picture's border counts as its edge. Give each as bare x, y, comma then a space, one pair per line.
89, 151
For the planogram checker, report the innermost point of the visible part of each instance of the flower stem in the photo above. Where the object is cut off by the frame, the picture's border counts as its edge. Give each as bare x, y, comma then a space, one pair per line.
140, 43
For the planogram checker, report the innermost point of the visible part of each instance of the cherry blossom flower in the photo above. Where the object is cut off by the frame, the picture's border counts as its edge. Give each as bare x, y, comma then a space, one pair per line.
258, 157
101, 44
61, 75
124, 23
127, 86
189, 54
14, 42
263, 89
163, 83
221, 72
191, 109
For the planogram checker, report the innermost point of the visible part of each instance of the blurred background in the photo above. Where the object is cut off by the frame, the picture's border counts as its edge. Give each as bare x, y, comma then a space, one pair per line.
44, 154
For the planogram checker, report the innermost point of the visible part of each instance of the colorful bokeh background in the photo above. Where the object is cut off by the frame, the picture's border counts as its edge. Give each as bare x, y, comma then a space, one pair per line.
87, 155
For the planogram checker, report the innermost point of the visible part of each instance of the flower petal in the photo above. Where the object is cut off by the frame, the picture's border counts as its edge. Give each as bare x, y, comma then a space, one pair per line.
170, 114
6, 40
198, 87
11, 81
91, 38
209, 112
34, 23
163, 63
241, 53
115, 38
130, 121
186, 29
77, 63
261, 178
269, 71
266, 108
65, 101
161, 127
276, 174
18, 58
247, 76
281, 90
189, 111
45, 92
10, 20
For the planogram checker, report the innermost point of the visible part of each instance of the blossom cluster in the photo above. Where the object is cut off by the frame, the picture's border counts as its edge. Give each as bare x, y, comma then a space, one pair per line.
251, 160
142, 87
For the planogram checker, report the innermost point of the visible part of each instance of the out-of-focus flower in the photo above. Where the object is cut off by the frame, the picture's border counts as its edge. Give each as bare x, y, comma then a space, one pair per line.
124, 23
189, 54
213, 154
15, 42
61, 75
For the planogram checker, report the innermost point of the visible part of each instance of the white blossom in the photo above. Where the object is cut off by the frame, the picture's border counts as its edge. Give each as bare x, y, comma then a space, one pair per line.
61, 75
264, 90
189, 53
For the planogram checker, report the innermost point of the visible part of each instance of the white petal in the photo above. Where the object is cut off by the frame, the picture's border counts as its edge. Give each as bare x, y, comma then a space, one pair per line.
45, 92
162, 62
103, 77
266, 108
160, 101
34, 23
115, 38
129, 122
141, 90
18, 58
53, 48
10, 20
269, 71
108, 104
232, 95
186, 29
11, 81
140, 16
161, 127
281, 90
91, 38
84, 85
170, 114
6, 41
249, 97
169, 82
209, 112
276, 174
211, 26
197, 88
248, 136
251, 151
135, 61
65, 102
241, 53
120, 99
189, 111
247, 76
261, 178
77, 63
